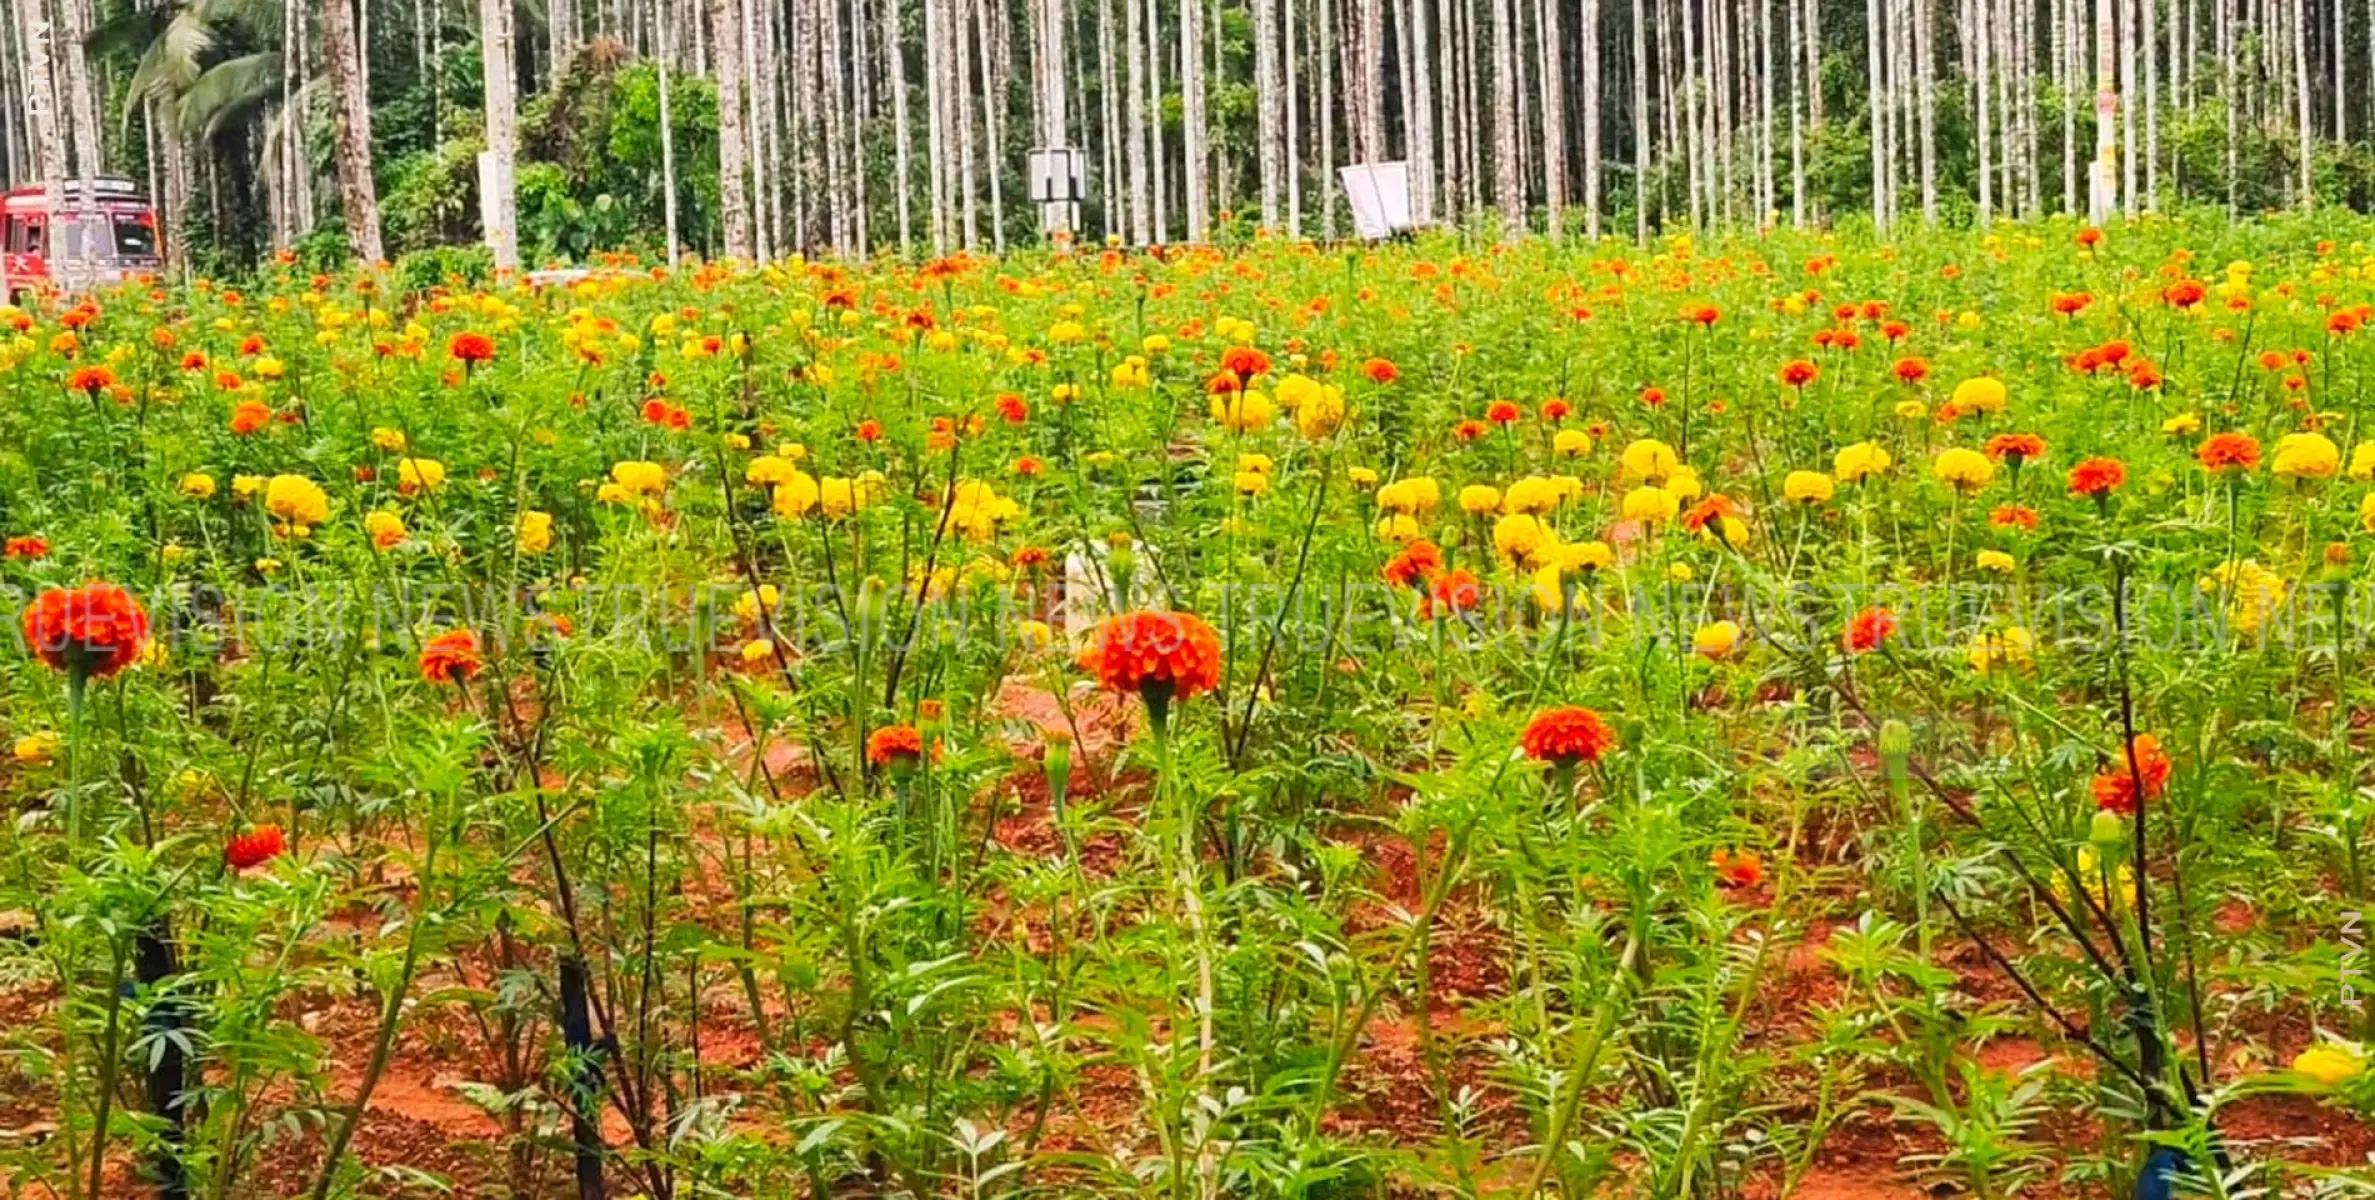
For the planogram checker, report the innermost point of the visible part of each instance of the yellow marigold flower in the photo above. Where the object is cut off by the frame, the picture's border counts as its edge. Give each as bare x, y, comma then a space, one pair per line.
842, 497
198, 485
2367, 513
1155, 344
2253, 592
1859, 462
296, 500
386, 529
389, 440
245, 486
1541, 494
1252, 483
38, 749
1519, 538
1997, 561
1361, 477
419, 475
1716, 639
1649, 459
1683, 485
767, 470
1477, 499
1966, 469
269, 367
2184, 424
1398, 528
1650, 505
749, 605
2012, 646
2330, 1063
2305, 456
794, 495
1571, 443
1258, 463
534, 532
1807, 487
1317, 415
1681, 572
1130, 374
1416, 496
1911, 410
1983, 394
757, 650
1241, 412
638, 477
2362, 461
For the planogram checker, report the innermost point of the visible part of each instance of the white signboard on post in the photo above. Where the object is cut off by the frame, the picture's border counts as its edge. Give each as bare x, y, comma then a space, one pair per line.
1380, 198
1059, 182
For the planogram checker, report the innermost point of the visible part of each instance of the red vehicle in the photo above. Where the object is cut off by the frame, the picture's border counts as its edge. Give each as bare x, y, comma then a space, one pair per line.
75, 237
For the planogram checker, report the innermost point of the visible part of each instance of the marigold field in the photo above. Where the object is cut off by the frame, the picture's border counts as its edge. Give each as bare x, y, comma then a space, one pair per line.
1782, 715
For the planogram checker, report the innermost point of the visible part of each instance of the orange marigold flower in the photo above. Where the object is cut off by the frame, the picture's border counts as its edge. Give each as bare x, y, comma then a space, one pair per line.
2185, 293
2070, 304
2013, 516
2019, 447
255, 847
2115, 789
1556, 409
2229, 451
1869, 630
1381, 371
28, 547
869, 430
1012, 409
2090, 237
1653, 397
2097, 476
896, 746
451, 657
1468, 431
1416, 562
1244, 362
1457, 591
1798, 372
1706, 315
1912, 369
1743, 869
90, 380
1503, 412
89, 632
1566, 736
471, 348
1161, 656
249, 416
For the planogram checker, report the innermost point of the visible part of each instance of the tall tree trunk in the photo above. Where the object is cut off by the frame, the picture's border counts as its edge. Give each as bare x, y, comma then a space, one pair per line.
350, 131
661, 64
43, 123
2103, 198
1554, 120
1141, 209
1269, 147
1191, 117
499, 50
1641, 122
1508, 186
1591, 30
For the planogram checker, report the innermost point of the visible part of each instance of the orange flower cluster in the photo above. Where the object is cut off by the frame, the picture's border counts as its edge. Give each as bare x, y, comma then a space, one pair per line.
255, 847
2224, 452
1566, 736
2115, 789
1869, 630
1161, 656
92, 631
451, 657
897, 746
470, 348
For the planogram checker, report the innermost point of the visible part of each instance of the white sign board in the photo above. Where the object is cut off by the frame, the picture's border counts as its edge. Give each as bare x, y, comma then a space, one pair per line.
1380, 198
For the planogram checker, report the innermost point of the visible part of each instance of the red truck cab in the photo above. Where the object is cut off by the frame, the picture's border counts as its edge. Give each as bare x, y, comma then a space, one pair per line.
75, 237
